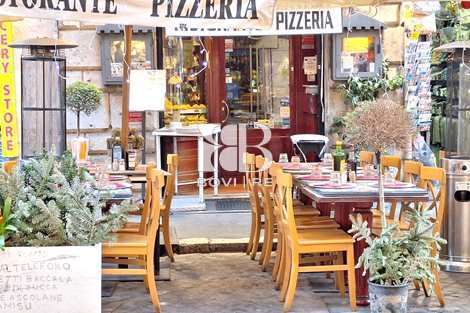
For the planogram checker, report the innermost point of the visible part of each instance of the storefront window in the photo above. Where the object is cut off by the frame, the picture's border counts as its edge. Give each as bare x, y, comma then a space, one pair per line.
185, 63
257, 80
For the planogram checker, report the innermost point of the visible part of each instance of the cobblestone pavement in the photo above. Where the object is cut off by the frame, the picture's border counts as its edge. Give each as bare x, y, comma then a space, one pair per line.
231, 282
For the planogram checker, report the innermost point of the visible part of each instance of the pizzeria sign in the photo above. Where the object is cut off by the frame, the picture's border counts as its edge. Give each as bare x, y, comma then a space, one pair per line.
188, 13
285, 22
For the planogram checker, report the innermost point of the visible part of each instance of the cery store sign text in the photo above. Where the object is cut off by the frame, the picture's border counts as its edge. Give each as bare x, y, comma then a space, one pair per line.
7, 93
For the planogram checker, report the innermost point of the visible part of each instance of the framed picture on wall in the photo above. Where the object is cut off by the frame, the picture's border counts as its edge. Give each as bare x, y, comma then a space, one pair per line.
113, 50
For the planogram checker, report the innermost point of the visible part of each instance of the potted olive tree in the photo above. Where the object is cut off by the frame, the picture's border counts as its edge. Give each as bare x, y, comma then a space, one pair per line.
86, 98
394, 258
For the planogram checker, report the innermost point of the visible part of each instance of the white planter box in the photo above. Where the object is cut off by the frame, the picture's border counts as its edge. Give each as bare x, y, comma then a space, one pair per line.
50, 279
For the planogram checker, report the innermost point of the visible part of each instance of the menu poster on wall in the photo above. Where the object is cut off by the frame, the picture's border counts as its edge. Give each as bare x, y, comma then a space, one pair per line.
8, 116
147, 90
50, 279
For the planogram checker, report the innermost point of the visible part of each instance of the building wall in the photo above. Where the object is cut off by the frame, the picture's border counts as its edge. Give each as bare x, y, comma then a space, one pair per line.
393, 45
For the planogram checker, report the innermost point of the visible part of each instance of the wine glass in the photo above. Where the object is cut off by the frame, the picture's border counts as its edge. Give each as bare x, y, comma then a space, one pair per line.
283, 158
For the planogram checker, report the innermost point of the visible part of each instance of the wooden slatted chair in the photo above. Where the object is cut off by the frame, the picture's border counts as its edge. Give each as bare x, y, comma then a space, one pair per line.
303, 222
298, 243
140, 227
386, 162
429, 176
366, 157
411, 174
138, 249
172, 167
257, 223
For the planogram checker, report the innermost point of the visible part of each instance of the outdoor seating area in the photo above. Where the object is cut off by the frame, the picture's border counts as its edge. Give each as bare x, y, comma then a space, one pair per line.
219, 156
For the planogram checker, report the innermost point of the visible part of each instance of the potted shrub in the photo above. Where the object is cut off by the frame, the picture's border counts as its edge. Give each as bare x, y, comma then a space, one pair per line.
53, 223
396, 258
86, 98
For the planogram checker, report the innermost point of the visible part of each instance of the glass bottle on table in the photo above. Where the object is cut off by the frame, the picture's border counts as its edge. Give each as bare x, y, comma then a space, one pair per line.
338, 157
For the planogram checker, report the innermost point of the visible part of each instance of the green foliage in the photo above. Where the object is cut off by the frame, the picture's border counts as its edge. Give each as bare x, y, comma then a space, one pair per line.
358, 89
83, 97
6, 223
399, 257
55, 203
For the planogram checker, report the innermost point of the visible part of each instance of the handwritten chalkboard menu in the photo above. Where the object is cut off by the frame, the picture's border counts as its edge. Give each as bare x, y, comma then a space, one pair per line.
50, 279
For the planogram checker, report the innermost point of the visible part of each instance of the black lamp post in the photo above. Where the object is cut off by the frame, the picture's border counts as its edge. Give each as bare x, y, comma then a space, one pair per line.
43, 113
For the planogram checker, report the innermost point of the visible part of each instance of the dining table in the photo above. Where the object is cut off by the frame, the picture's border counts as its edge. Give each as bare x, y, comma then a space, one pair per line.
341, 199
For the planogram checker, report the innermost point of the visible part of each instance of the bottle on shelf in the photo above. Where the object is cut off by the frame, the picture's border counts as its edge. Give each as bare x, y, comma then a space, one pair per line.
338, 157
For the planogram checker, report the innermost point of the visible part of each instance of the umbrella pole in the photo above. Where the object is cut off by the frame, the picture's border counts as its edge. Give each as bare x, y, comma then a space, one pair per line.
125, 87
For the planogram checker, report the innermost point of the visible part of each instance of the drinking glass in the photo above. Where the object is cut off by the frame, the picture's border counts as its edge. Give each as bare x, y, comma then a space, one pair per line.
388, 177
327, 159
316, 170
295, 159
335, 178
283, 158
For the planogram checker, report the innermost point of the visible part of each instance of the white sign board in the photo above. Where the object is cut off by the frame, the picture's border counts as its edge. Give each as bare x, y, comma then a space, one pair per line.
191, 13
147, 90
285, 22
50, 279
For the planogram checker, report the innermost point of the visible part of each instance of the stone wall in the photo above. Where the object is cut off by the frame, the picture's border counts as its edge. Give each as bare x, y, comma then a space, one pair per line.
393, 45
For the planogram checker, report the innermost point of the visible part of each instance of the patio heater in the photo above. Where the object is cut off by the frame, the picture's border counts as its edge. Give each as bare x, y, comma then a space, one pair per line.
43, 86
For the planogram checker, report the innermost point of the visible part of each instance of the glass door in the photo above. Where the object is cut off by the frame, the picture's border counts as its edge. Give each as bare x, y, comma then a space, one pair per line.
257, 81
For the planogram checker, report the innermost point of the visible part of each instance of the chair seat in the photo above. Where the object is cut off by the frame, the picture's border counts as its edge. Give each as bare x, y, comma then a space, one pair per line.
306, 210
297, 202
126, 240
324, 236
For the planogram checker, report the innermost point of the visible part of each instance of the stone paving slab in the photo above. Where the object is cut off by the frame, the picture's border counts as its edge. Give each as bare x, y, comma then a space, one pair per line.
232, 283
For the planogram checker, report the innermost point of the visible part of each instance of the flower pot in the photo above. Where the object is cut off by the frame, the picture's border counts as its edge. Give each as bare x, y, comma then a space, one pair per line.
51, 279
388, 299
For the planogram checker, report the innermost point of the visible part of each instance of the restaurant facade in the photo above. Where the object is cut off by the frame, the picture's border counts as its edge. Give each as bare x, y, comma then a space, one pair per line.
267, 85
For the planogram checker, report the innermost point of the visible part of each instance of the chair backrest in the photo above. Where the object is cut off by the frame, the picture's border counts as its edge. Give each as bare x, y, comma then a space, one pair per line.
274, 170
249, 162
9, 166
284, 201
366, 157
429, 176
147, 200
157, 180
388, 161
172, 166
411, 171
260, 169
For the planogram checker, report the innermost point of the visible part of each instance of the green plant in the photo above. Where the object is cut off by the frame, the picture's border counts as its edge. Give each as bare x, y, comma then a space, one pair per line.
6, 223
337, 127
83, 97
399, 257
55, 203
358, 89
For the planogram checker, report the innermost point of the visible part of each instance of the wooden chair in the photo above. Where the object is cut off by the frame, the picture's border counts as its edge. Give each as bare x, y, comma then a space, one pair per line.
428, 176
9, 166
411, 173
138, 249
366, 157
313, 220
270, 226
140, 228
386, 162
256, 211
298, 243
172, 167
